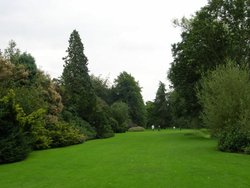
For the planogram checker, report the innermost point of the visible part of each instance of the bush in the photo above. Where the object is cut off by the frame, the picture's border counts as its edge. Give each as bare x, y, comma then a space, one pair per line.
84, 127
136, 129
247, 150
102, 126
234, 140
15, 140
118, 128
41, 137
225, 97
64, 134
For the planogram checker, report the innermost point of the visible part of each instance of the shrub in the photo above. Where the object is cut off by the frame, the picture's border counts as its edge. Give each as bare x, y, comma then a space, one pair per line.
15, 140
225, 97
63, 134
136, 129
233, 140
247, 149
84, 127
103, 126
41, 137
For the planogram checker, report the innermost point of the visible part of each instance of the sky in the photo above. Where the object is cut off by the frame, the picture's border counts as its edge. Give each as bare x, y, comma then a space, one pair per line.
118, 35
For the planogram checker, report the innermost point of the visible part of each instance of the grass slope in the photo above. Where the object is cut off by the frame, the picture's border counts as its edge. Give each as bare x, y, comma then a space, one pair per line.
146, 159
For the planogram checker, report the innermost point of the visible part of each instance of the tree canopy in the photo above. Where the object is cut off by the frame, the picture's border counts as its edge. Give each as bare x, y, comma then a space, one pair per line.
218, 32
127, 90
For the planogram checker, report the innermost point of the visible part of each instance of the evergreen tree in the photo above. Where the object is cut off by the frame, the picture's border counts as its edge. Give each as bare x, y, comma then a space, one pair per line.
150, 115
78, 96
161, 111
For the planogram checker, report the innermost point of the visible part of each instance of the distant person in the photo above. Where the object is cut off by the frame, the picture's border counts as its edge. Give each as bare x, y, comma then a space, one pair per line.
159, 127
153, 127
173, 127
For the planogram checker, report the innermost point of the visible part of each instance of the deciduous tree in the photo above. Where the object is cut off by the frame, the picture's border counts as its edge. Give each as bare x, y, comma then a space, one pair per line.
127, 90
219, 31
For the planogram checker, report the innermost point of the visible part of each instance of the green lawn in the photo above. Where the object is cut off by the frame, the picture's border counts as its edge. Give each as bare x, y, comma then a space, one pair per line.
167, 159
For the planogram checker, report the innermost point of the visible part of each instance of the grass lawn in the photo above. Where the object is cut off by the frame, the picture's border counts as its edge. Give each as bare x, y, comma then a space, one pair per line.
167, 159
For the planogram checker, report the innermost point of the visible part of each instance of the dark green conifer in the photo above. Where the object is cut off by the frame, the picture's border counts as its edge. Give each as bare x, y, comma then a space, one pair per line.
79, 97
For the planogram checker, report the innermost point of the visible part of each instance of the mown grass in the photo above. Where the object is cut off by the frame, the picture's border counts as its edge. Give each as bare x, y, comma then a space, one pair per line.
148, 159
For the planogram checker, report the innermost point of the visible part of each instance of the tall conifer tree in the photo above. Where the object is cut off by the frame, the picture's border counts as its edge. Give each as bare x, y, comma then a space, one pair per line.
79, 97
161, 110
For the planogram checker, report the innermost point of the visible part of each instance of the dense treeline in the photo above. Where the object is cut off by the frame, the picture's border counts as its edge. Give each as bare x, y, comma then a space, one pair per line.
204, 86
37, 112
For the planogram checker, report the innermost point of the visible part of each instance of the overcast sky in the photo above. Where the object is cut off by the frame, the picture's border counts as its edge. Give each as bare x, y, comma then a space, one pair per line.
118, 35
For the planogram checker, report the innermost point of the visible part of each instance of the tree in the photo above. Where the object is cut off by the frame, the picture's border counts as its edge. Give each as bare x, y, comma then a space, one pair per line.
150, 113
6, 75
224, 95
78, 92
29, 62
101, 120
12, 53
78, 96
102, 88
219, 31
39, 99
178, 111
120, 112
161, 109
127, 90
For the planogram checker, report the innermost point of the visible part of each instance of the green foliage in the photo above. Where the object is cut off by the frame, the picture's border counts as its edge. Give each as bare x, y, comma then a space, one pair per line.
120, 113
219, 31
234, 140
161, 109
29, 62
40, 135
78, 94
15, 138
23, 60
247, 150
149, 113
63, 134
12, 75
102, 88
84, 127
127, 90
101, 120
39, 98
136, 129
12, 53
226, 105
